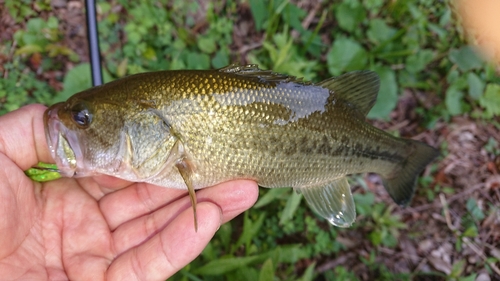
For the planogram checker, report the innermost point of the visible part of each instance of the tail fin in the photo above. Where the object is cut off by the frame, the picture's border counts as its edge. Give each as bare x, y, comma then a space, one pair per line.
401, 186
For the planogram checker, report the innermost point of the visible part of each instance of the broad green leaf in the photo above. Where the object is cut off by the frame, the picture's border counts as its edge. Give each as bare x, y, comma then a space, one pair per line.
134, 35
471, 231
452, 76
375, 237
346, 55
474, 209
458, 268
491, 100
30, 38
198, 61
221, 58
389, 240
28, 50
77, 80
491, 146
104, 7
309, 273
453, 100
259, 12
440, 31
149, 53
177, 63
465, 58
293, 16
418, 61
350, 15
446, 18
290, 253
291, 206
312, 42
267, 271
415, 11
186, 36
457, 80
52, 22
388, 95
206, 44
476, 85
363, 202
373, 5
379, 31
35, 24
133, 68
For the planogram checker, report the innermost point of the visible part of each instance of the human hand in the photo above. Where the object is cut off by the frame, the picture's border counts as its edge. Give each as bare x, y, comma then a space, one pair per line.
99, 228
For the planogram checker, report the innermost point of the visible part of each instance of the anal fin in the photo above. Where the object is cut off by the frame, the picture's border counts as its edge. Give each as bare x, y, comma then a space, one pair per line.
333, 201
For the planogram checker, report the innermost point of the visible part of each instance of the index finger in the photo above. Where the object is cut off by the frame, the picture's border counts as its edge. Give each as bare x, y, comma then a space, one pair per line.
22, 136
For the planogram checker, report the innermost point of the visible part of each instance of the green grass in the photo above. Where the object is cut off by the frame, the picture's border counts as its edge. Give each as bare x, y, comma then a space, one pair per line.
412, 45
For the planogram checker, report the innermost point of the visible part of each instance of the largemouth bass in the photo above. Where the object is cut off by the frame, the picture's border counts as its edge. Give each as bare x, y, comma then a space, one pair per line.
191, 129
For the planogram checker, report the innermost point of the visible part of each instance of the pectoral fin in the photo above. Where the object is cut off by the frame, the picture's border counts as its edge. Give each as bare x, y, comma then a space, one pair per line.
332, 201
186, 169
186, 173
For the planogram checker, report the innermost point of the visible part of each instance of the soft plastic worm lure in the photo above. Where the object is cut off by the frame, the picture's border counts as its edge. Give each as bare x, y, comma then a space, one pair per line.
43, 172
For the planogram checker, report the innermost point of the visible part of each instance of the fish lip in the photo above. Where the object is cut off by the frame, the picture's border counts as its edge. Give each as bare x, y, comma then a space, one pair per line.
62, 141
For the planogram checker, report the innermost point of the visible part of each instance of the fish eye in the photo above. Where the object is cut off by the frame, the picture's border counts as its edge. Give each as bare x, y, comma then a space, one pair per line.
81, 115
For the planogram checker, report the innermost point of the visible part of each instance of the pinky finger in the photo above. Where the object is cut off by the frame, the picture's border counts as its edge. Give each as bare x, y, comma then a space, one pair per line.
169, 250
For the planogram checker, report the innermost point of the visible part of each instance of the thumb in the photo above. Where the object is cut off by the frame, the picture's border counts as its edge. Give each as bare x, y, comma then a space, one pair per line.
22, 136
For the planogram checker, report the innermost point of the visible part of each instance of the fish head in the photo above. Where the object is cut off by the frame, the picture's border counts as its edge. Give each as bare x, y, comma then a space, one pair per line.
83, 136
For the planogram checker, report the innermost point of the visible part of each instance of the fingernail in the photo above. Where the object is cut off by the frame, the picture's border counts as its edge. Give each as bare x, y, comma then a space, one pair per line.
221, 219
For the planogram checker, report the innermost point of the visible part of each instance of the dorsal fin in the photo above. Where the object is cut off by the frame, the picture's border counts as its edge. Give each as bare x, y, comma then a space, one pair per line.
253, 71
359, 88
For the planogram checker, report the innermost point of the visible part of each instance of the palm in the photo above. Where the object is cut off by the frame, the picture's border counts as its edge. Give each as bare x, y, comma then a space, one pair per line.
98, 228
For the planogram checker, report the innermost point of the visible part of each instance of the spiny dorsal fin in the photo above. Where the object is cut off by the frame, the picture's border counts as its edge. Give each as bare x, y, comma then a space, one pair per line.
360, 88
253, 71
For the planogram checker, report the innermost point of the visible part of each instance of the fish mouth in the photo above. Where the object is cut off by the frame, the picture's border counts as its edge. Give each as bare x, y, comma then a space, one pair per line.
63, 143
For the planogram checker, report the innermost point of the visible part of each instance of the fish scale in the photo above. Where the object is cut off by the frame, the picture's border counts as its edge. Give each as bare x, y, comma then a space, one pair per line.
250, 151
194, 129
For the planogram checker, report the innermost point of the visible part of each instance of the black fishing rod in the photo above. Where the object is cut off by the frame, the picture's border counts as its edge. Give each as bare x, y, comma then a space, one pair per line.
93, 39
